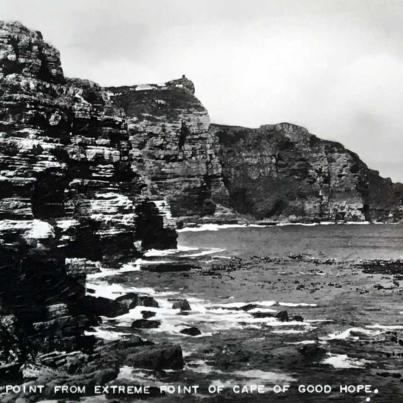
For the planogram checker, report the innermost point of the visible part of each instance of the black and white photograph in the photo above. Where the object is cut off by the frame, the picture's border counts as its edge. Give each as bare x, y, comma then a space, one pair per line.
201, 201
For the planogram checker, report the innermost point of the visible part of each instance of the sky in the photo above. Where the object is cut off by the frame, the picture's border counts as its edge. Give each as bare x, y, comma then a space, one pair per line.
332, 66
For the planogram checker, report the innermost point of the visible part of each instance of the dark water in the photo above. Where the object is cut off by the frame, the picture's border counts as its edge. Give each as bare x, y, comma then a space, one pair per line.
370, 241
355, 317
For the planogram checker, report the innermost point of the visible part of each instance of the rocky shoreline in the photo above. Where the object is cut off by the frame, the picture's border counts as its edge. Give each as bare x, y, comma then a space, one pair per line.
355, 349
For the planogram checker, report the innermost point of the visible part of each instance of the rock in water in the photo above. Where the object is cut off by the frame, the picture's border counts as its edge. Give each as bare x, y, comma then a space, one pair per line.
147, 314
191, 331
103, 306
146, 300
282, 316
182, 304
129, 300
145, 324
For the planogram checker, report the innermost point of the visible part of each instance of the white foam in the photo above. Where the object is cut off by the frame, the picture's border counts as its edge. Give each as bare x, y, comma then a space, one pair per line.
286, 224
105, 334
112, 291
265, 376
206, 252
217, 227
183, 248
302, 342
162, 252
295, 304
385, 327
129, 267
343, 361
346, 334
151, 262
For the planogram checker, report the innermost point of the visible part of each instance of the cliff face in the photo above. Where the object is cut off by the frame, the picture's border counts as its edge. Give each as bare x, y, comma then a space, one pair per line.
275, 172
283, 172
172, 146
68, 189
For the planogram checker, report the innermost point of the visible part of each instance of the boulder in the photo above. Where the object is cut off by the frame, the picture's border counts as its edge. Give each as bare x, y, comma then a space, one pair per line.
282, 316
147, 314
191, 331
103, 306
146, 300
262, 314
182, 304
145, 324
129, 301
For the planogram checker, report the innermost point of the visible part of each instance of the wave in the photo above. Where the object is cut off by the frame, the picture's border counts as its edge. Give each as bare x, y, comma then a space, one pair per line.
266, 376
217, 227
205, 252
385, 327
104, 334
167, 252
297, 304
343, 361
353, 333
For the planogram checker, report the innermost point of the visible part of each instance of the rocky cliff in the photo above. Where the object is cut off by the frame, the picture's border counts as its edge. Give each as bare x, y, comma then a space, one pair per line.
71, 198
284, 173
173, 147
280, 172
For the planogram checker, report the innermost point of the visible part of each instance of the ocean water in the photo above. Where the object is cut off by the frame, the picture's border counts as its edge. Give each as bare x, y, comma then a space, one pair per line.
355, 241
355, 317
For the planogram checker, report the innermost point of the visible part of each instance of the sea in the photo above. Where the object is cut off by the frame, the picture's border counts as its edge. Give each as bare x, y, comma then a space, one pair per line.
275, 305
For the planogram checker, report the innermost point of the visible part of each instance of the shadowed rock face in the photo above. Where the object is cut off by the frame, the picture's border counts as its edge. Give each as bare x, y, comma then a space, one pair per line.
284, 172
68, 189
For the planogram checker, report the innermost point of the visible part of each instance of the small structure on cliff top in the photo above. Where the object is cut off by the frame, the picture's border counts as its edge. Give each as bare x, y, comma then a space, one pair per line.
182, 82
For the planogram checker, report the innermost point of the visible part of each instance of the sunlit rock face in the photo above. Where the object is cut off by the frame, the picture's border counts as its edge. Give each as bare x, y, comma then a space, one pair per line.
283, 172
172, 147
69, 188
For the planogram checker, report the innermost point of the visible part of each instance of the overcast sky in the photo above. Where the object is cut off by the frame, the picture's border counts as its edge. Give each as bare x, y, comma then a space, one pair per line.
333, 66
